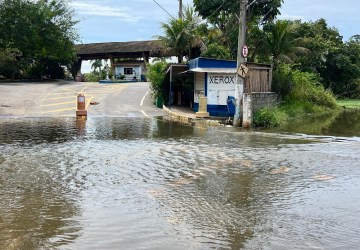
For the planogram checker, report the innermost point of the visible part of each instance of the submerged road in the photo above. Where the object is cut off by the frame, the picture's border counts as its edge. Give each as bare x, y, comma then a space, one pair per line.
38, 99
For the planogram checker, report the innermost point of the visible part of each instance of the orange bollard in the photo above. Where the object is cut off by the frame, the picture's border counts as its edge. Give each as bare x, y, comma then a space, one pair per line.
81, 107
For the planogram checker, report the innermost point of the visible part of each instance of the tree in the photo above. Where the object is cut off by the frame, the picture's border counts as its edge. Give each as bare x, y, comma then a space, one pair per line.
212, 10
218, 51
280, 43
181, 35
320, 40
224, 16
42, 31
336, 62
97, 64
341, 73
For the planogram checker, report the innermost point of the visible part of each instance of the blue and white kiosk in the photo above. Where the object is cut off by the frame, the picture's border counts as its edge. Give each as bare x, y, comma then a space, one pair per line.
214, 79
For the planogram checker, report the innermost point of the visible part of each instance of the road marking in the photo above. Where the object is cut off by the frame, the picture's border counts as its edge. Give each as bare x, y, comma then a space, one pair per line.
119, 91
88, 102
95, 91
63, 93
143, 112
143, 99
59, 110
83, 89
62, 96
57, 98
56, 104
101, 98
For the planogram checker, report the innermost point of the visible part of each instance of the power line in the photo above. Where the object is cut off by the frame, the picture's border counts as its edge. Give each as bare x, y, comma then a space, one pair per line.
214, 12
164, 9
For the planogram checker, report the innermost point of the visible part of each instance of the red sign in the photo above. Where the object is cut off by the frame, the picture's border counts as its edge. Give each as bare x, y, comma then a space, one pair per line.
245, 51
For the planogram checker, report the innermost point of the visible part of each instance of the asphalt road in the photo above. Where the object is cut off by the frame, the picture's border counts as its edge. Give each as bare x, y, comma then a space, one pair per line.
58, 98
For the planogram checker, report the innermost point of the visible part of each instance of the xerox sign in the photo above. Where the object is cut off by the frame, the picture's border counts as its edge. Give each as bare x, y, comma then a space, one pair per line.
220, 86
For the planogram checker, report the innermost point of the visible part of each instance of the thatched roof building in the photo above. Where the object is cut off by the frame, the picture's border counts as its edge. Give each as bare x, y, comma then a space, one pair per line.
136, 49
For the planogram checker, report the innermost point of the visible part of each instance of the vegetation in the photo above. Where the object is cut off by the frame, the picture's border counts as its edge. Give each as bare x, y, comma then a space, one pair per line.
223, 16
349, 103
312, 65
37, 38
97, 64
303, 96
156, 75
182, 35
91, 77
269, 117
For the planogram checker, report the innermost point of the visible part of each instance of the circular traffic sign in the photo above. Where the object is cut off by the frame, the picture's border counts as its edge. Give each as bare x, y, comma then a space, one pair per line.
245, 51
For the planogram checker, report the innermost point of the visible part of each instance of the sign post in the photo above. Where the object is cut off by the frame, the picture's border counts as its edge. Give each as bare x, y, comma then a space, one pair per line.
242, 71
242, 51
245, 51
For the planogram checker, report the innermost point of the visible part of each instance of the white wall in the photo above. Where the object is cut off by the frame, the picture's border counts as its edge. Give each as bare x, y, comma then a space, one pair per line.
220, 86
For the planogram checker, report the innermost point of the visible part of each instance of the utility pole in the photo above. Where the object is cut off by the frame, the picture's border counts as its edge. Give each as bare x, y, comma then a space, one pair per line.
239, 86
180, 9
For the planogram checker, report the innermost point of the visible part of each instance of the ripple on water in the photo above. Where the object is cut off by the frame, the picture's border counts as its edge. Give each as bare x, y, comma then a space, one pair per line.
116, 183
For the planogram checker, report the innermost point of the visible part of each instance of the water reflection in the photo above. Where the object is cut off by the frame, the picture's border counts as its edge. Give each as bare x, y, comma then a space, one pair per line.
346, 124
110, 183
341, 123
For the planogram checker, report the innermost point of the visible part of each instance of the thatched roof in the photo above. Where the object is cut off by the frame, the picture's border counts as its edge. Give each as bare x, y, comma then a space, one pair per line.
152, 48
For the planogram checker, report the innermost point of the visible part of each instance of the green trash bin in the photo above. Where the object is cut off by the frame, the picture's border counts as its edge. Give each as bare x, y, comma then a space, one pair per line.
159, 102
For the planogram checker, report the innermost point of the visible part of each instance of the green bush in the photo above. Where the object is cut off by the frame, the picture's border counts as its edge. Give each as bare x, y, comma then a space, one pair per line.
308, 89
301, 88
92, 77
156, 75
269, 117
282, 82
303, 97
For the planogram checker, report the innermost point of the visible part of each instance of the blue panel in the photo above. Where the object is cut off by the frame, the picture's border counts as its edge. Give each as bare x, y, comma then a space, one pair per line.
214, 110
196, 107
193, 63
202, 62
218, 110
231, 105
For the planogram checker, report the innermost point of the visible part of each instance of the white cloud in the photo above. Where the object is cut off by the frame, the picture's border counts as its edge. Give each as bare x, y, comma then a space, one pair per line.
93, 9
292, 17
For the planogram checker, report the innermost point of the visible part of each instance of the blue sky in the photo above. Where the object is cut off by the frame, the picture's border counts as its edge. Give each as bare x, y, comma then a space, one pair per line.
120, 20
134, 20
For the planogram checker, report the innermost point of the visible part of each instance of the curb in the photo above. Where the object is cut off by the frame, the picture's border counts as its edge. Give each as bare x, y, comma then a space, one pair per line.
183, 119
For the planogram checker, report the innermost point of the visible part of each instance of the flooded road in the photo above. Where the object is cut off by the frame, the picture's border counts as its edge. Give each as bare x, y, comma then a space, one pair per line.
132, 183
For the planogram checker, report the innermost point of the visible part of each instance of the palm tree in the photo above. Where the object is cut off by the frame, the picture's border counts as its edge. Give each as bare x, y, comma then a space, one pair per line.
175, 37
280, 43
97, 63
180, 35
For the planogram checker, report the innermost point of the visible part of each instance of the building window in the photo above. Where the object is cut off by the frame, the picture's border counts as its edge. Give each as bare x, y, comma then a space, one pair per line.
128, 71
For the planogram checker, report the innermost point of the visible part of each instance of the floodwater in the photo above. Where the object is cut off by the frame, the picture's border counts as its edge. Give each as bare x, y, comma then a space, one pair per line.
133, 183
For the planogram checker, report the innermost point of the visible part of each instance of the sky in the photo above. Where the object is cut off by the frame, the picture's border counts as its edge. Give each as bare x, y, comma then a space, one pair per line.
135, 20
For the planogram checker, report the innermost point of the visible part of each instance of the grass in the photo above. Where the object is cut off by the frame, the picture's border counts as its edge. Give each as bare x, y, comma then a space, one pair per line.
349, 103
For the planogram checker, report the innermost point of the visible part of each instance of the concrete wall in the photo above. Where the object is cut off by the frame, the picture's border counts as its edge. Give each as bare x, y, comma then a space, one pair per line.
262, 100
255, 101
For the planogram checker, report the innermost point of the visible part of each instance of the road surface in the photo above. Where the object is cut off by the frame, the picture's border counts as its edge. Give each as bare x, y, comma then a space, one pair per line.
58, 98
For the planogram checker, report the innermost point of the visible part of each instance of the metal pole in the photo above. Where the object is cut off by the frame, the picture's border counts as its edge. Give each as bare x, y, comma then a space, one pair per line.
239, 86
180, 9
170, 87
